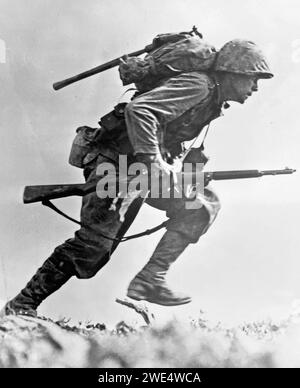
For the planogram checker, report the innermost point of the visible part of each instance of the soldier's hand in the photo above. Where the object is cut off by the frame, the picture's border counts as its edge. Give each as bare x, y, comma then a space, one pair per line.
157, 166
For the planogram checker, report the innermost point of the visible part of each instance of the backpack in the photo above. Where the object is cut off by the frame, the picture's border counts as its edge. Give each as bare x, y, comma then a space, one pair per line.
170, 55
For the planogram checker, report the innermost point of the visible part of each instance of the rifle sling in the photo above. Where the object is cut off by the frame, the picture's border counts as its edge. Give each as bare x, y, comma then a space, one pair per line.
147, 232
49, 204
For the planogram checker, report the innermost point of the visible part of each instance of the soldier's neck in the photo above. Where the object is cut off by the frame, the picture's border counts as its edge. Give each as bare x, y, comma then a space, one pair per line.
223, 84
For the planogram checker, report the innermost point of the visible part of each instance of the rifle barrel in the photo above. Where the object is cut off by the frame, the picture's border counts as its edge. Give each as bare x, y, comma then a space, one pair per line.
245, 174
238, 174
278, 172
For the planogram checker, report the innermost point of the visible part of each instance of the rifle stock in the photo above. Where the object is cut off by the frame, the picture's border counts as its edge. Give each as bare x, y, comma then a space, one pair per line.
43, 193
47, 192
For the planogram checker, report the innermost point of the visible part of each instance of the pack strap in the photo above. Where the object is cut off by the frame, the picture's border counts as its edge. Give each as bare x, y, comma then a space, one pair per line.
188, 150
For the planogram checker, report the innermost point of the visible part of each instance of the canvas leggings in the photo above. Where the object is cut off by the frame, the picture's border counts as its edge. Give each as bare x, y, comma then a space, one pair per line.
88, 251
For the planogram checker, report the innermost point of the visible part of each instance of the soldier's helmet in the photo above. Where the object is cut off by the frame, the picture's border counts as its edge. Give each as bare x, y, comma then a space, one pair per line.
242, 57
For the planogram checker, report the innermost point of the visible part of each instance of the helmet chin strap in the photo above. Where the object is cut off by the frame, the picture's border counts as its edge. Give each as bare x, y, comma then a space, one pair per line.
221, 99
233, 89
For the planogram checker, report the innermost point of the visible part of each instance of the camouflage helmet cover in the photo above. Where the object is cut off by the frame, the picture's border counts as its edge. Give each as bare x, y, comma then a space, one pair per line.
242, 57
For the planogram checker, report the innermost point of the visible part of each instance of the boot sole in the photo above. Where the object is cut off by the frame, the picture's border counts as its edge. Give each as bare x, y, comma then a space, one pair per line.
137, 297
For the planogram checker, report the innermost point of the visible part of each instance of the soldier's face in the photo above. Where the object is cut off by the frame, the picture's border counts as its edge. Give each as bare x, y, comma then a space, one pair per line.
243, 86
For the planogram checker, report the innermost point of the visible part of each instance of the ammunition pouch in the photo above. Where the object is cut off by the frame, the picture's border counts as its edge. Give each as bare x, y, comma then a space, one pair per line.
85, 146
114, 122
196, 155
115, 131
88, 141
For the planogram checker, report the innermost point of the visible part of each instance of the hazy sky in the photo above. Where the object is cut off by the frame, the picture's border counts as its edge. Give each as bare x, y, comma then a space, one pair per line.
246, 267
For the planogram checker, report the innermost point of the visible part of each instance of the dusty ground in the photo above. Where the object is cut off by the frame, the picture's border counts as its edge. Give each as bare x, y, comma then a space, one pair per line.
28, 342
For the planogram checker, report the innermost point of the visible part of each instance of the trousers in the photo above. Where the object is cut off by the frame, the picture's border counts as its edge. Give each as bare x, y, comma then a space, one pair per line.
88, 251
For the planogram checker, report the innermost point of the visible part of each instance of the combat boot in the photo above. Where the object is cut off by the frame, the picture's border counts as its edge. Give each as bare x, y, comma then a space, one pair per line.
150, 284
49, 278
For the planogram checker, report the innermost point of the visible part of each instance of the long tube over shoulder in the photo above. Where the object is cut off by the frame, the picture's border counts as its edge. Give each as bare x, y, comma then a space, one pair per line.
96, 70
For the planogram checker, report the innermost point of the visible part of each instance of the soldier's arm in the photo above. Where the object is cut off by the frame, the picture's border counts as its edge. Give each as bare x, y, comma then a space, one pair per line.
147, 113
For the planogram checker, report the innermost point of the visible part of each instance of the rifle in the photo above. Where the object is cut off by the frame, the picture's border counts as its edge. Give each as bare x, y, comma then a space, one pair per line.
44, 193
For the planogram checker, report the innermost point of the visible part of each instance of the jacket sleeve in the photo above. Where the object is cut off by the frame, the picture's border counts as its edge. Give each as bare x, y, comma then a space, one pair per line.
151, 111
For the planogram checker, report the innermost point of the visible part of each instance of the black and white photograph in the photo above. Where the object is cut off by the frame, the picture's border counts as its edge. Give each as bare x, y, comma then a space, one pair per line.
150, 196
